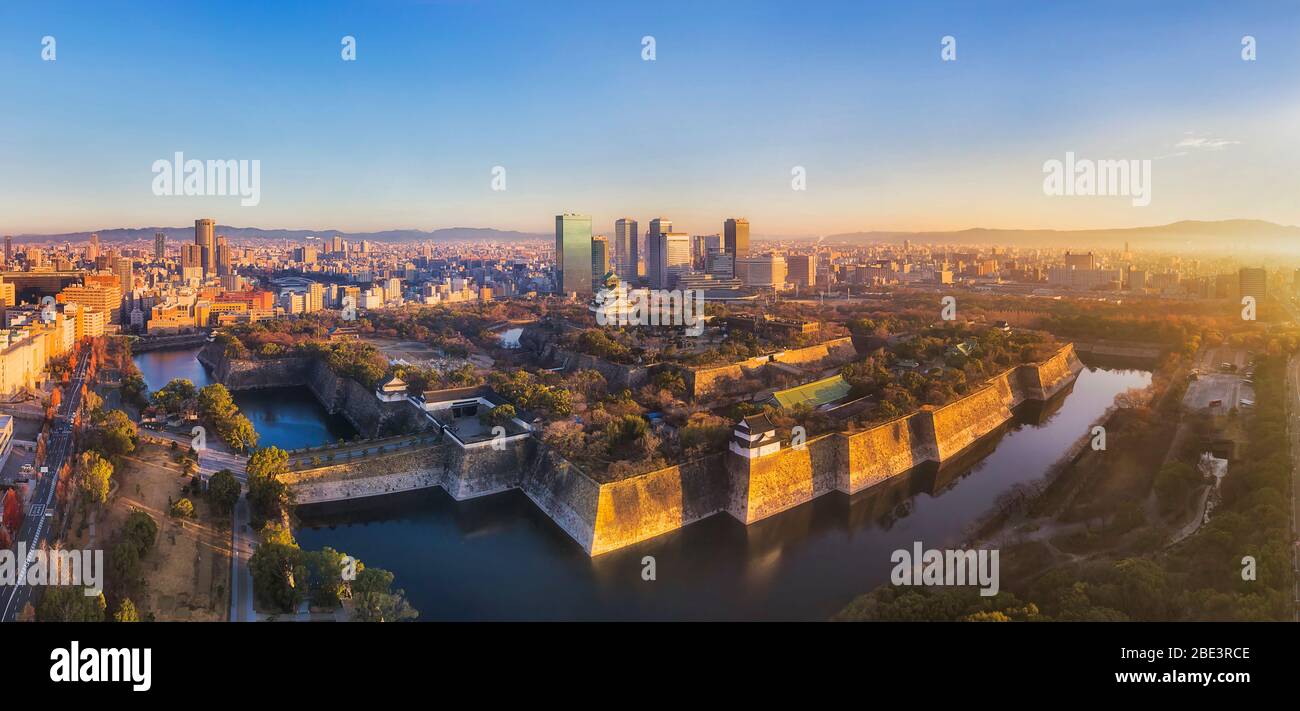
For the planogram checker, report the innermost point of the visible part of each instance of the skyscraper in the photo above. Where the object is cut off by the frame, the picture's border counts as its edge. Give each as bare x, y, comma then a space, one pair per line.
736, 236
654, 251
222, 257
676, 256
573, 254
9, 248
203, 237
92, 251
123, 267
625, 249
159, 245
599, 258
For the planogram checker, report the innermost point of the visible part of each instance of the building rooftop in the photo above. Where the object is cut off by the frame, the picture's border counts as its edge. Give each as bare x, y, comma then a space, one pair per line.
814, 394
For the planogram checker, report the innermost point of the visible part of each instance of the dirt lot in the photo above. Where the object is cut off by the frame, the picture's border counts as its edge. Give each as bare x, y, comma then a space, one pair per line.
187, 573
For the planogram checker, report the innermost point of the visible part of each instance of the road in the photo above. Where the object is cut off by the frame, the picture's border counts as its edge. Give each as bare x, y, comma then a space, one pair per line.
36, 525
211, 458
242, 543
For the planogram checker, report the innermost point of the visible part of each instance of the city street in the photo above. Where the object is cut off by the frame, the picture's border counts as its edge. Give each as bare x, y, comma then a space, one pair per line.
36, 525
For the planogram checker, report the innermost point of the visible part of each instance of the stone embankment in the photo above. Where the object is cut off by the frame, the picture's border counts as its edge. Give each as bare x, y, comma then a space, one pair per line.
606, 516
344, 396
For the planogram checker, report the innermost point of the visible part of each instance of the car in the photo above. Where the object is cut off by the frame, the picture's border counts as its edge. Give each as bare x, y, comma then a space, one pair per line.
1247, 403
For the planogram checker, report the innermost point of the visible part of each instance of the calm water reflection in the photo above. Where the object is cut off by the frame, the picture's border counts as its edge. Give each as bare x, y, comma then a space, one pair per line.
284, 417
500, 558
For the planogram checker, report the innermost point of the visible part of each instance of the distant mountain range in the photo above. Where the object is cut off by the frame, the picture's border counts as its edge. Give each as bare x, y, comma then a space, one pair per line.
1187, 235
450, 234
1192, 235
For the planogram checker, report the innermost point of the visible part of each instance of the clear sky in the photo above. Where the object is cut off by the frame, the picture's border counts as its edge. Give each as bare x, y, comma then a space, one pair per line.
557, 93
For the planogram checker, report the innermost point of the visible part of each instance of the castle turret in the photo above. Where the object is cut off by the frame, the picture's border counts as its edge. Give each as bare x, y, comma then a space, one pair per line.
755, 436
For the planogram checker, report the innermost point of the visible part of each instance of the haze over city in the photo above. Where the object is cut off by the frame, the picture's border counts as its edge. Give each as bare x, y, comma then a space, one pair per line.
890, 137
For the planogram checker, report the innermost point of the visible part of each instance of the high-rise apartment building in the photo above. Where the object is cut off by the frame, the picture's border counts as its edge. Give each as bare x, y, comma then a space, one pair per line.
125, 270
9, 249
573, 254
736, 236
222, 257
626, 252
159, 245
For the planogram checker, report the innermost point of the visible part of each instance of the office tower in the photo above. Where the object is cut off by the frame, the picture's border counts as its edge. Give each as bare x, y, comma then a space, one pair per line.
92, 250
701, 246
573, 254
9, 249
767, 271
159, 245
599, 259
676, 257
1252, 281
803, 269
203, 237
626, 251
736, 240
722, 264
654, 257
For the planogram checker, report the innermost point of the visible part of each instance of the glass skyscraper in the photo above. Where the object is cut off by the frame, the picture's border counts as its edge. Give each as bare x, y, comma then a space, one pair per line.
573, 254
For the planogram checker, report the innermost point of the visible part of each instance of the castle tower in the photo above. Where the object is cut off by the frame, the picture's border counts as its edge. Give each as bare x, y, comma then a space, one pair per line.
754, 436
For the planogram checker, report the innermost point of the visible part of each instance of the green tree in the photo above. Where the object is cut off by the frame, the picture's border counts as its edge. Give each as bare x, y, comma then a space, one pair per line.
240, 434
118, 435
215, 403
266, 493
96, 475
223, 491
273, 566
376, 602
184, 508
69, 603
173, 396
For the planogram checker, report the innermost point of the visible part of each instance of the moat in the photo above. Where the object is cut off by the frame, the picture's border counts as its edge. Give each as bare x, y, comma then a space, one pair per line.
288, 418
500, 558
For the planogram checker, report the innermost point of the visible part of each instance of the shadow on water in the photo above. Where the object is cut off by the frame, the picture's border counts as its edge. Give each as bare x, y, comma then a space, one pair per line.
499, 557
288, 418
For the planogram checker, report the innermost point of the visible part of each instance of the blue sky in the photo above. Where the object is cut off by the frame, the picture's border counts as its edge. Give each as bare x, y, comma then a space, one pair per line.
557, 93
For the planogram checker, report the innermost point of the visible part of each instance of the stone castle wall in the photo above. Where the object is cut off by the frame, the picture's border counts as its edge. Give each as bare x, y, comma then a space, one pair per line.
603, 517
704, 383
651, 504
343, 396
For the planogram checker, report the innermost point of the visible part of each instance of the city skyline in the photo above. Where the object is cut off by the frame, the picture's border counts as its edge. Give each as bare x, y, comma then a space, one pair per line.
413, 130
